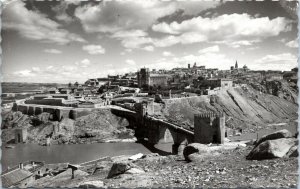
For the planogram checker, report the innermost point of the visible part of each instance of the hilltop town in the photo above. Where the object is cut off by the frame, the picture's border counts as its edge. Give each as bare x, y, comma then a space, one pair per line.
153, 107
149, 94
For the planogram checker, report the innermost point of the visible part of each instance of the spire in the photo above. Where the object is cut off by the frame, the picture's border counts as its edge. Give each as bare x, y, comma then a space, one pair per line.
236, 65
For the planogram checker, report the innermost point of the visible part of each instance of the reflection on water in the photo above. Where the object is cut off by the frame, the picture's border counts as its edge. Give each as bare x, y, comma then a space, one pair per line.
74, 153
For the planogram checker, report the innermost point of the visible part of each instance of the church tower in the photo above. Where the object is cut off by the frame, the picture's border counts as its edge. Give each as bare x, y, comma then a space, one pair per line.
236, 65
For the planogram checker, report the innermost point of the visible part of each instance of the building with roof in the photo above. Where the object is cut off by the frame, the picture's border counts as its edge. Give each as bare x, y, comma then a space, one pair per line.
22, 175
158, 80
65, 91
52, 91
213, 83
16, 177
53, 100
146, 79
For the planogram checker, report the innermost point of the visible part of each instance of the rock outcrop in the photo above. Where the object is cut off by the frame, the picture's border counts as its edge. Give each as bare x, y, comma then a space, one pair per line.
98, 125
119, 168
196, 151
269, 149
194, 148
124, 167
244, 108
279, 134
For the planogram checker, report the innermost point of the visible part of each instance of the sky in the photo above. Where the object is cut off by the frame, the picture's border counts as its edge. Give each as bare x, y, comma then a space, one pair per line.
68, 41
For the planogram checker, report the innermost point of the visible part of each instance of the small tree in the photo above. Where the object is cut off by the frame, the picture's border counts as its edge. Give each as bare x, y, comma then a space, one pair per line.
70, 85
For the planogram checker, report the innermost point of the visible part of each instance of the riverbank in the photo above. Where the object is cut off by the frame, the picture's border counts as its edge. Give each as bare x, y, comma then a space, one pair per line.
72, 153
127, 165
228, 169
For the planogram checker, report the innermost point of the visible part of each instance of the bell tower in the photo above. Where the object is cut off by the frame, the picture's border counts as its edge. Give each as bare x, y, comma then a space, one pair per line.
236, 65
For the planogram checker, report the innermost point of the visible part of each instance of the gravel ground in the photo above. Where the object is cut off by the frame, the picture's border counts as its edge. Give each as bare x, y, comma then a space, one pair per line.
230, 169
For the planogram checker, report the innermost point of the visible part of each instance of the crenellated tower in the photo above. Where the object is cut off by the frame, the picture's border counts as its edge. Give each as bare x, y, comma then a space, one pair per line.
209, 127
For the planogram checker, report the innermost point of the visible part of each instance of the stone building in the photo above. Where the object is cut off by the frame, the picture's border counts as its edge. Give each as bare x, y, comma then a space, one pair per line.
213, 83
145, 79
158, 80
274, 76
209, 128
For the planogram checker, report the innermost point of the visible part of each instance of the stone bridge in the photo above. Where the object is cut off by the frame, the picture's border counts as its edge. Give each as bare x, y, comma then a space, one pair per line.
209, 128
161, 131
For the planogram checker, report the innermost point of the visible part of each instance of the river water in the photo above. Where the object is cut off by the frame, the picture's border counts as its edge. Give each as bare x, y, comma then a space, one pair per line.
72, 153
79, 153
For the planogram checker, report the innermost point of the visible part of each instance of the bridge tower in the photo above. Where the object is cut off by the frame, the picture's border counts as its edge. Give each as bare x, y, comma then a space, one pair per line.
209, 128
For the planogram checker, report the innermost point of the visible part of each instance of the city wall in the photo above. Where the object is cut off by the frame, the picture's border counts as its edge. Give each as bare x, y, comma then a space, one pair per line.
58, 112
51, 102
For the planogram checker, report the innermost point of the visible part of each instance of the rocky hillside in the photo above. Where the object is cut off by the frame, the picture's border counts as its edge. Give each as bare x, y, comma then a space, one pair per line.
95, 126
245, 108
282, 89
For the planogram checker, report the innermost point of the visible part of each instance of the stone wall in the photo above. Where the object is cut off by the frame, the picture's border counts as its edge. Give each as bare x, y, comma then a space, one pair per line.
23, 108
57, 112
46, 101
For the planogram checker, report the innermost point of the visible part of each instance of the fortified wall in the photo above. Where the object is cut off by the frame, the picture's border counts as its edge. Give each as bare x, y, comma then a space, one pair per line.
58, 113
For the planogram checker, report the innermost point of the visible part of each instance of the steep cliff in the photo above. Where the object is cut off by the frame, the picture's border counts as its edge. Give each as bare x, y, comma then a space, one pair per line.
245, 108
282, 89
92, 126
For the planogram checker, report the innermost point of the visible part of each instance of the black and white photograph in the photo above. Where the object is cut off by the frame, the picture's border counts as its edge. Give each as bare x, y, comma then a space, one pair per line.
149, 93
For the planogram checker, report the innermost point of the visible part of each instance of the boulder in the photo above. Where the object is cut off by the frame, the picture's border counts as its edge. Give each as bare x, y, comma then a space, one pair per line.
272, 149
119, 168
194, 148
278, 134
210, 149
91, 184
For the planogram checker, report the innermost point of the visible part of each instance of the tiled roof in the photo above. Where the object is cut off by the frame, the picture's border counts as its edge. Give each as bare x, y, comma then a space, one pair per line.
15, 176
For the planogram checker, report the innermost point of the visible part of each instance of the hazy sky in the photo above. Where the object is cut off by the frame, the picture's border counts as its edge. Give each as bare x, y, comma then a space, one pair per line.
73, 41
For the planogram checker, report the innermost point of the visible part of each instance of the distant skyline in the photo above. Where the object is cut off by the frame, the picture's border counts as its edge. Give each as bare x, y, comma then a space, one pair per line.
68, 41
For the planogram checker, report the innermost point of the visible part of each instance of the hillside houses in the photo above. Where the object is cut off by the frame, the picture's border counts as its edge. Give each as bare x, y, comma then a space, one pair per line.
193, 79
